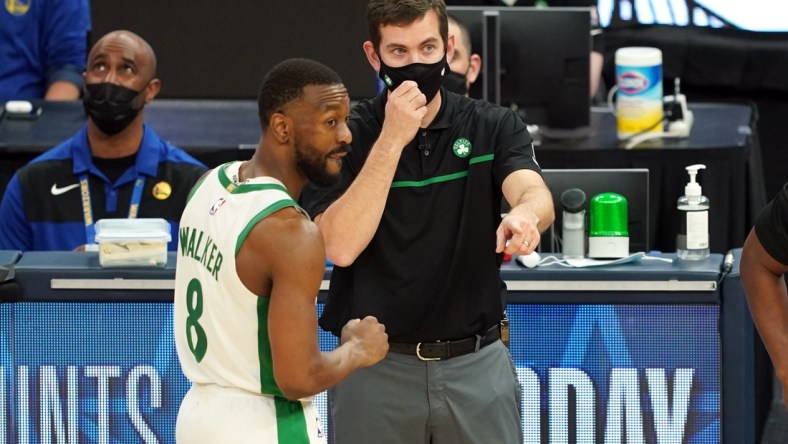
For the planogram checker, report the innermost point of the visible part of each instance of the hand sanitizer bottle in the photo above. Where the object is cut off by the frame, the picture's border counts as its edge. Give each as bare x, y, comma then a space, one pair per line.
692, 242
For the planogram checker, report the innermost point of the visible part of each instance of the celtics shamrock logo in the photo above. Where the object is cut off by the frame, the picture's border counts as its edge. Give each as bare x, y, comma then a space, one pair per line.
462, 147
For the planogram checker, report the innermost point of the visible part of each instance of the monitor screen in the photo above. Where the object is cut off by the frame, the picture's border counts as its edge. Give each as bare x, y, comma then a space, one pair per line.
542, 74
544, 58
632, 183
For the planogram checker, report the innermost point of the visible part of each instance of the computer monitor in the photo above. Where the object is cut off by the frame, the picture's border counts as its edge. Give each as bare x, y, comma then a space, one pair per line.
545, 66
534, 60
632, 183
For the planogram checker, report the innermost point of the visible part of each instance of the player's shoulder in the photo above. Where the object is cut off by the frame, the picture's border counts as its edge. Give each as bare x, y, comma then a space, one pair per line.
286, 225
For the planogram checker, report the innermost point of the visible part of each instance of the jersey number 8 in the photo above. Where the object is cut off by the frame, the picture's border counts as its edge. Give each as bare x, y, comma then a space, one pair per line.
193, 327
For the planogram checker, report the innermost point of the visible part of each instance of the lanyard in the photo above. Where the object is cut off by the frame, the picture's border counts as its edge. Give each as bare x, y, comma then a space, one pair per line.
87, 207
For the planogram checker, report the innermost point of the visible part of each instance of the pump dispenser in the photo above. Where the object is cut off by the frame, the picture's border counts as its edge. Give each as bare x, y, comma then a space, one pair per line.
692, 241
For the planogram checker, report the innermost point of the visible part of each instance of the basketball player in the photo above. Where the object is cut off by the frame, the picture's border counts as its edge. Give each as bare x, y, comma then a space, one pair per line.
250, 263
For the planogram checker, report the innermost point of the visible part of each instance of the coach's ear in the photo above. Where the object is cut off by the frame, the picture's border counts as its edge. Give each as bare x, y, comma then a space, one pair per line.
372, 55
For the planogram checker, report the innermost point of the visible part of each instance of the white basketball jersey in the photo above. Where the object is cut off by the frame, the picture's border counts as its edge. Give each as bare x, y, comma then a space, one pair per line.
221, 328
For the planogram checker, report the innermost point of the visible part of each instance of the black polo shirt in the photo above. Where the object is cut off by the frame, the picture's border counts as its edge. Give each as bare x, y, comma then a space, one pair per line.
431, 271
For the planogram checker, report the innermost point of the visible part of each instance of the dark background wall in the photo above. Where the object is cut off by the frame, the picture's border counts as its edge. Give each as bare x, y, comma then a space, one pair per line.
221, 50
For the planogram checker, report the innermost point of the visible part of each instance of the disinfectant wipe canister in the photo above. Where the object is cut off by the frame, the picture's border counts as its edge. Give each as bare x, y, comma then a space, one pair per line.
639, 96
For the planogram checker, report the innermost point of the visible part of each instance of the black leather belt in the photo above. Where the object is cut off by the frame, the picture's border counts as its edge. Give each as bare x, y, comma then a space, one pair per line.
435, 351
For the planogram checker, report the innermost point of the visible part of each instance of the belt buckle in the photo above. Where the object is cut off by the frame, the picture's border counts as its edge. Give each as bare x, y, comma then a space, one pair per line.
418, 354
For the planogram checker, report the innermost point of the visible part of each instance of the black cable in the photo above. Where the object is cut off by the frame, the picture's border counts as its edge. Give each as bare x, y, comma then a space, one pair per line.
727, 265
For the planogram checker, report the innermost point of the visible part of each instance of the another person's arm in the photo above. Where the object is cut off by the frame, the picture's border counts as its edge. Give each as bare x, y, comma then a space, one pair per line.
351, 221
62, 90
764, 285
65, 40
596, 62
290, 248
15, 233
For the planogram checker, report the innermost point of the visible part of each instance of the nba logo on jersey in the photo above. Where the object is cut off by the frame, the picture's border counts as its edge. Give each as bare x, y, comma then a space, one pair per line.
215, 207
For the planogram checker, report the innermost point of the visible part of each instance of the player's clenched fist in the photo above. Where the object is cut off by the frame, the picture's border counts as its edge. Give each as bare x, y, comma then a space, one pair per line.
369, 338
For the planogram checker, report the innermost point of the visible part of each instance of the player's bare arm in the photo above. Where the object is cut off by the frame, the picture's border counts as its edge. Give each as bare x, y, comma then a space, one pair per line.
284, 257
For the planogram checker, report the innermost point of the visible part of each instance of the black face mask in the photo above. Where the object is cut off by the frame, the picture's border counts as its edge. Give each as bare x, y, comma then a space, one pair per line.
112, 107
455, 82
429, 76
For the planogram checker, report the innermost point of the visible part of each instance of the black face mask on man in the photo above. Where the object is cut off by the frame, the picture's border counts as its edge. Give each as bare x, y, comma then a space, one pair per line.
429, 76
456, 83
111, 107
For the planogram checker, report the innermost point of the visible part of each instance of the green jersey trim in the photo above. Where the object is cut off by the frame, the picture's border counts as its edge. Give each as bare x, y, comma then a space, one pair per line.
444, 178
267, 382
480, 159
290, 422
200, 181
223, 179
276, 206
290, 419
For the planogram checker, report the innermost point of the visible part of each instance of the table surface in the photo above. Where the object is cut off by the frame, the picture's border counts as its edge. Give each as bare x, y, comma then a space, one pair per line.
80, 277
723, 137
715, 125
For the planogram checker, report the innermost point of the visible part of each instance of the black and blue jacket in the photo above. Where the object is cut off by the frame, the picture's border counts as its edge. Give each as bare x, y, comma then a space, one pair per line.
42, 208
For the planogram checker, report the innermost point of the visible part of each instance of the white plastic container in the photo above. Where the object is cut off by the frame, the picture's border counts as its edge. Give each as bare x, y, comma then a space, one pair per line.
639, 107
132, 242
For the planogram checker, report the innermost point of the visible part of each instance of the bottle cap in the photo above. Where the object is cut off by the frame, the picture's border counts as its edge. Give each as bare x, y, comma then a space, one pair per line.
693, 190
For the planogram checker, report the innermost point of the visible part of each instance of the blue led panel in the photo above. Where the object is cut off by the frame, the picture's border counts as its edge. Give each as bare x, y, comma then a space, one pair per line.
103, 372
5, 372
94, 373
618, 373
108, 372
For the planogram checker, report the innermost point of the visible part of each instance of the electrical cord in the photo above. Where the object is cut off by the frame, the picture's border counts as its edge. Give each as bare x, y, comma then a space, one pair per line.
727, 265
674, 131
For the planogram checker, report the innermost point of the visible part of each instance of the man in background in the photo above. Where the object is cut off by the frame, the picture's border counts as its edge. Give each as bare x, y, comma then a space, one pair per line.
43, 45
116, 166
465, 65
